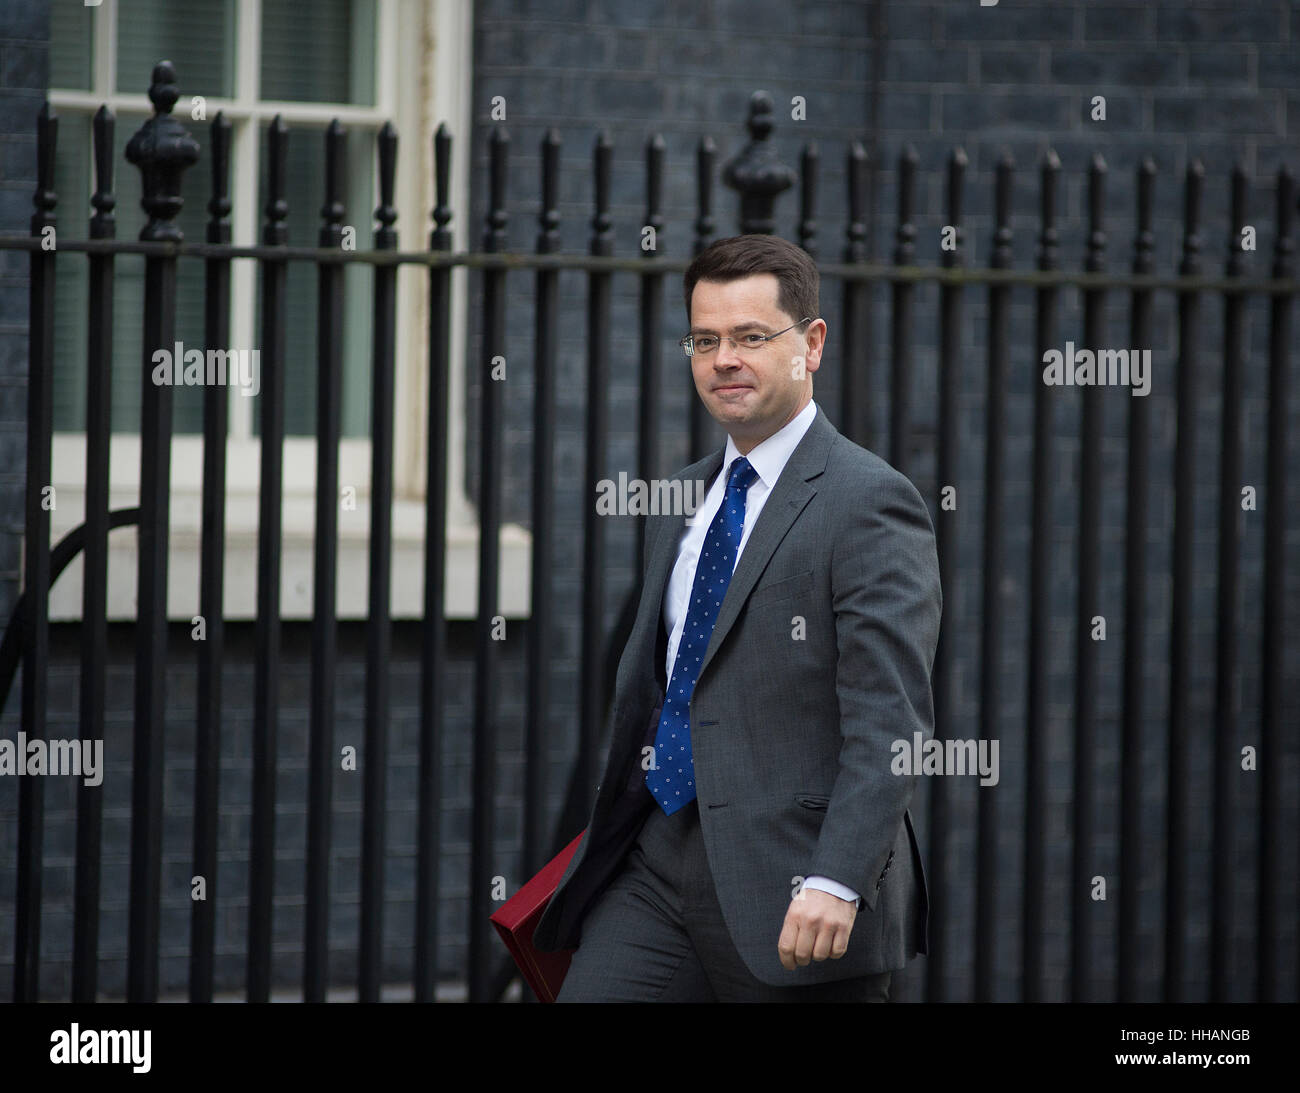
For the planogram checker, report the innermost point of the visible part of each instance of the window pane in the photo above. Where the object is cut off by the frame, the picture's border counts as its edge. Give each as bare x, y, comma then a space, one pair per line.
70, 37
305, 189
319, 52
196, 36
71, 326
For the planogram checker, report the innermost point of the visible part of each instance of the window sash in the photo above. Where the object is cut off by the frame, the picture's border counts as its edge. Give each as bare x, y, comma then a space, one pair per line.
444, 94
248, 117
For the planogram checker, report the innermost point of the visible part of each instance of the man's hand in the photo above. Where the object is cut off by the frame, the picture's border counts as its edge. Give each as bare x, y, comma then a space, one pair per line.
817, 926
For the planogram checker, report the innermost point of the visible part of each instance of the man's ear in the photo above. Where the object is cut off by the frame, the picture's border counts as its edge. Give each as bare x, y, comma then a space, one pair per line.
816, 339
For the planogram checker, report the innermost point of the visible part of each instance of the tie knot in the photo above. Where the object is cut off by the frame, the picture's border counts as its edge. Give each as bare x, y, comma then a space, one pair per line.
742, 474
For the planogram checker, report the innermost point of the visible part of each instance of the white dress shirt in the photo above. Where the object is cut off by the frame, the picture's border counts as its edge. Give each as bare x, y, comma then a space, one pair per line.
768, 459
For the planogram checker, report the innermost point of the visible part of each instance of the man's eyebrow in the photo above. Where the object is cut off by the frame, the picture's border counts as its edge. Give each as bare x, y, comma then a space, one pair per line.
753, 324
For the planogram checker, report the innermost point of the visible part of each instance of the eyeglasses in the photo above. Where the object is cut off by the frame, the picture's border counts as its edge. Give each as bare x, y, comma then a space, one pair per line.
704, 344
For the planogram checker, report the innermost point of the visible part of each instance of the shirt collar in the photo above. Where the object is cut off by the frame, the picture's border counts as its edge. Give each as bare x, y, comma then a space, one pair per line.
769, 457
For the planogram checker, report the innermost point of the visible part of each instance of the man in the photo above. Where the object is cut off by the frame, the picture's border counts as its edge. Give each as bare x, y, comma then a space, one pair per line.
748, 841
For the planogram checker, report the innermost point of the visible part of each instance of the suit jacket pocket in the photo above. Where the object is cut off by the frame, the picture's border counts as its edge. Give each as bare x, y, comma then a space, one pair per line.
777, 591
812, 800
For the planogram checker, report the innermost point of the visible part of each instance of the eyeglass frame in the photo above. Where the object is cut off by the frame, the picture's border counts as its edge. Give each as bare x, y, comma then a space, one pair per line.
690, 351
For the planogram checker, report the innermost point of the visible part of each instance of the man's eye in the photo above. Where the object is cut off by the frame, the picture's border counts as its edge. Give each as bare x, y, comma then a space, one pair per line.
752, 341
706, 344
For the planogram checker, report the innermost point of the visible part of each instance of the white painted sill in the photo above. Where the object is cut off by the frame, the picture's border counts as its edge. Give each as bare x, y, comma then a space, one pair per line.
297, 557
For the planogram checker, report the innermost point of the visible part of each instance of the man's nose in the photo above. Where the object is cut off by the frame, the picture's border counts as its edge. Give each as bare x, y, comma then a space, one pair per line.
728, 356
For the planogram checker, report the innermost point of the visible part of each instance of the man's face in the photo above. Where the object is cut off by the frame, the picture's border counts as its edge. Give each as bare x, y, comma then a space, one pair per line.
752, 393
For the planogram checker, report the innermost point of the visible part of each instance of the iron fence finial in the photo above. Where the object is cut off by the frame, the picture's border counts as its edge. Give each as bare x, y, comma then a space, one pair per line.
162, 149
756, 174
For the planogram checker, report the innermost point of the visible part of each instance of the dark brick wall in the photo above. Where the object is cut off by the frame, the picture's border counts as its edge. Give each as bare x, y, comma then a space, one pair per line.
231, 884
1212, 80
1216, 80
24, 44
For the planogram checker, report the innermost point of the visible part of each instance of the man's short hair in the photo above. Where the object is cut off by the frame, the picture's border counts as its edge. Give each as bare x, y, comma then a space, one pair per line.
745, 255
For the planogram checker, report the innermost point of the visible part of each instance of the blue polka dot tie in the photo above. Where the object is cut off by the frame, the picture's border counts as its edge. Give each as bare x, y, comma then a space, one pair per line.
672, 782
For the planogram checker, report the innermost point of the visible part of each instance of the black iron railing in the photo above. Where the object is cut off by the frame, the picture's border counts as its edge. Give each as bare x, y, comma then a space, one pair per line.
162, 150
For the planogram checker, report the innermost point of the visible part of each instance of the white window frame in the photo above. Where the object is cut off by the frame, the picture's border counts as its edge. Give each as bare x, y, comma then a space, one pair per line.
431, 42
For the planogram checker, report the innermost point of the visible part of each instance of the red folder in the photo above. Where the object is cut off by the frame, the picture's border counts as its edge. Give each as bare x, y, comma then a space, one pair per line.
518, 917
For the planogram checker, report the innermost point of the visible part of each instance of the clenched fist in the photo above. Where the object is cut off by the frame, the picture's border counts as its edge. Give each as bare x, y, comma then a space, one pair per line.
817, 926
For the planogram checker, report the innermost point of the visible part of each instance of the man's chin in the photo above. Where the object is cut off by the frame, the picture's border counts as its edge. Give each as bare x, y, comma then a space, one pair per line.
737, 407
731, 415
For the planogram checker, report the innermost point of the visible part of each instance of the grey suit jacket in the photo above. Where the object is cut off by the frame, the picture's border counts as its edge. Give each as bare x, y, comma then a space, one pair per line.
820, 659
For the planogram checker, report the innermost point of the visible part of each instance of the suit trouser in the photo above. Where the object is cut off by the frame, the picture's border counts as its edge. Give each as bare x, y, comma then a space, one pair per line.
657, 934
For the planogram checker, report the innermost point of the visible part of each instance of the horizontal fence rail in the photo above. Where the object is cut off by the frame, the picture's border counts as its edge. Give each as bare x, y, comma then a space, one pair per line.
1113, 275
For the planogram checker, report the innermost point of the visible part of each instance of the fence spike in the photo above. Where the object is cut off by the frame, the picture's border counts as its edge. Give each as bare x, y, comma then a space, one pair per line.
1145, 240
1237, 206
102, 224
808, 164
440, 237
1096, 256
275, 231
602, 238
219, 205
1283, 244
1005, 177
333, 209
706, 155
386, 213
905, 235
494, 235
956, 178
45, 199
1048, 237
855, 246
1190, 266
654, 185
548, 219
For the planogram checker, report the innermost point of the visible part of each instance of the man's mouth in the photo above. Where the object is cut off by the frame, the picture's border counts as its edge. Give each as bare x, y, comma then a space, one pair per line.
733, 387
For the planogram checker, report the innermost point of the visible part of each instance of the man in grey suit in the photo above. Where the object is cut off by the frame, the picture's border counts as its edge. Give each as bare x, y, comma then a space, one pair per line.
749, 841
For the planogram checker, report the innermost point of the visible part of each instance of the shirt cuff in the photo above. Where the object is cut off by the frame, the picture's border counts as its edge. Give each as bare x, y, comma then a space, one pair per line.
834, 887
